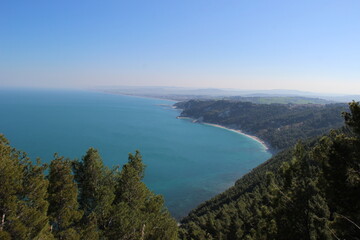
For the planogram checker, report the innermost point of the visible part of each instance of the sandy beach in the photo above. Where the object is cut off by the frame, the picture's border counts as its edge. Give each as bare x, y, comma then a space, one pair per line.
240, 132
233, 130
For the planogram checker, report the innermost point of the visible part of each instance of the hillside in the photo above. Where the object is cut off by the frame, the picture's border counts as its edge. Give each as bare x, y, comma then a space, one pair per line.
310, 191
278, 99
279, 125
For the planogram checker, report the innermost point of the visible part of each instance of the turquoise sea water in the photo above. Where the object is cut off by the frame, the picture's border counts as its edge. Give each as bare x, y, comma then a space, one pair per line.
187, 163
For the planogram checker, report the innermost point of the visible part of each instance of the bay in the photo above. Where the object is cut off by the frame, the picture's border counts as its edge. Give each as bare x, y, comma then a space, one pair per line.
187, 163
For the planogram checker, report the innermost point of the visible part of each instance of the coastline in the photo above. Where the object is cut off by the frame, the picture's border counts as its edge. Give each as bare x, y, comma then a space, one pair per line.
255, 138
137, 96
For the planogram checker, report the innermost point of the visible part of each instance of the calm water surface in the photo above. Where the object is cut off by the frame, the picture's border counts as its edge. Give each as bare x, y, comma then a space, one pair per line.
187, 163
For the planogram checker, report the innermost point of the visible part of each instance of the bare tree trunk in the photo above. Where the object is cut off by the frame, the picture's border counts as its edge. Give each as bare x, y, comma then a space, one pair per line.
349, 220
2, 222
143, 232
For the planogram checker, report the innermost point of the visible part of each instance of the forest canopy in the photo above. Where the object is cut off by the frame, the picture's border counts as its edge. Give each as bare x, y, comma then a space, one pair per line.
310, 191
78, 199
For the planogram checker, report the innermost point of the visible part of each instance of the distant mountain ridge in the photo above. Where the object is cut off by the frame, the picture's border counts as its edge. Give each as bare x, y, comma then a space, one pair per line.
183, 93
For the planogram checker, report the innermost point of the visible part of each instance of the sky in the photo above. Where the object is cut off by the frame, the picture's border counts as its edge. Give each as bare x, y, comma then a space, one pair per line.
309, 45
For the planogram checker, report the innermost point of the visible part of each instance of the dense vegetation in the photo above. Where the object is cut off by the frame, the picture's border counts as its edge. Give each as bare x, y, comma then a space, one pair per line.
279, 125
78, 199
309, 192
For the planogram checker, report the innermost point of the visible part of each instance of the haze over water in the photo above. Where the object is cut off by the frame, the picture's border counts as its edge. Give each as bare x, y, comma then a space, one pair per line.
187, 163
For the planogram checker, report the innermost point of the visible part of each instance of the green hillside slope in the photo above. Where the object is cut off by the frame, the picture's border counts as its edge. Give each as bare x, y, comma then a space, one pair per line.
279, 125
311, 191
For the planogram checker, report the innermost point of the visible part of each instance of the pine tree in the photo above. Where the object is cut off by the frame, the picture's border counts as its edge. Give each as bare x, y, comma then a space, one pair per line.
130, 188
352, 118
11, 182
339, 154
96, 192
35, 197
23, 192
137, 212
64, 210
300, 208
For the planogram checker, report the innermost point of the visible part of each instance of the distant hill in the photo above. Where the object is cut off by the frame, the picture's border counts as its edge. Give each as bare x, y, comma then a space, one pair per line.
279, 100
267, 96
310, 191
279, 125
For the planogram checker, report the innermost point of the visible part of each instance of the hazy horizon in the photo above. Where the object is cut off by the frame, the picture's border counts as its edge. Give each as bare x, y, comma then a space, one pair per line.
310, 46
104, 87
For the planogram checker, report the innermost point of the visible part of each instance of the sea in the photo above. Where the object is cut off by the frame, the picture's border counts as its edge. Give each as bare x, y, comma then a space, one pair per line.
188, 163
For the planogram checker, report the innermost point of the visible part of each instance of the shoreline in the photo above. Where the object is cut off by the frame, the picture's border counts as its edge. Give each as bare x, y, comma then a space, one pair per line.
138, 96
255, 138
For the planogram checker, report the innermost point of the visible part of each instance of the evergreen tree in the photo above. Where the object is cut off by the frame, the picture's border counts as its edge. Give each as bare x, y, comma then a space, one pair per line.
339, 154
35, 207
352, 118
64, 210
35, 194
137, 212
96, 192
130, 188
23, 204
301, 210
11, 182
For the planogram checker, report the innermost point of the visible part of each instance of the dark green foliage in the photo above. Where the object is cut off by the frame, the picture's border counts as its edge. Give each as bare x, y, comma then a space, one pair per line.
34, 196
240, 206
100, 204
23, 192
352, 118
309, 192
138, 213
95, 183
96, 190
64, 210
129, 187
339, 155
279, 125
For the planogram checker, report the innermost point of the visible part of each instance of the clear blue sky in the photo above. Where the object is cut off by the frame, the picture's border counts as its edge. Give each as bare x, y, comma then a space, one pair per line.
311, 45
